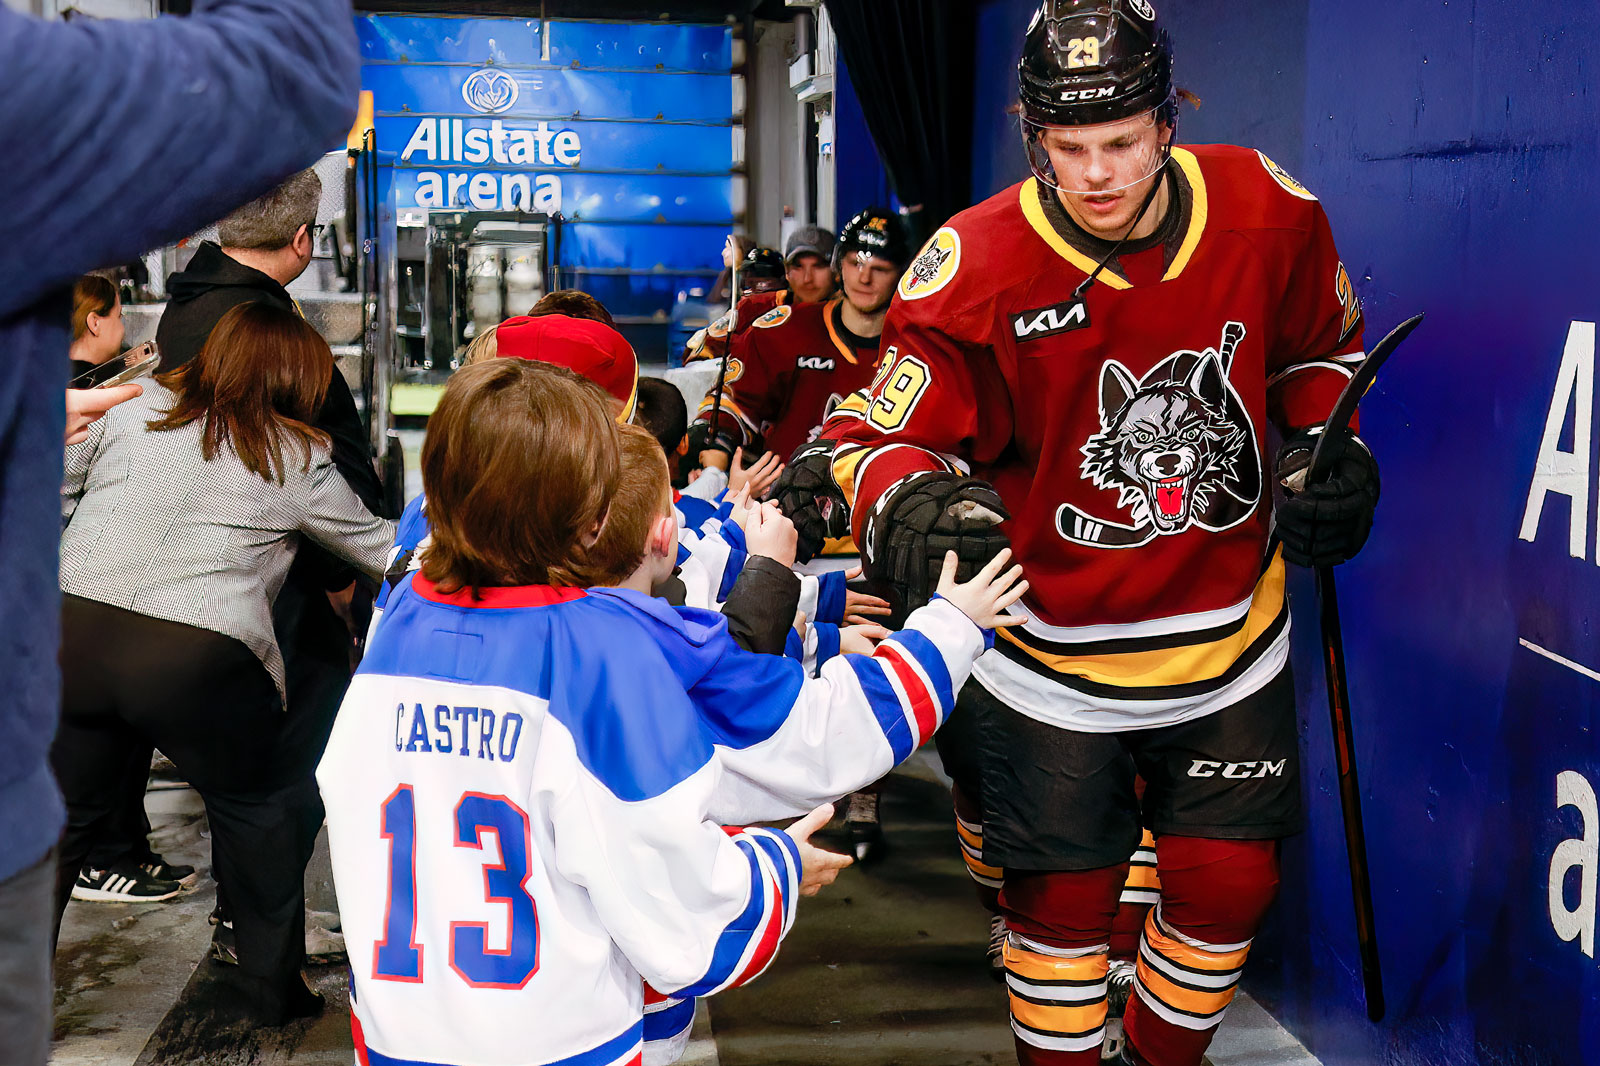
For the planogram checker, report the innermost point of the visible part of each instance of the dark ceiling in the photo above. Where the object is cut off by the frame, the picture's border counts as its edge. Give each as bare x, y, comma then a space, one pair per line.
630, 10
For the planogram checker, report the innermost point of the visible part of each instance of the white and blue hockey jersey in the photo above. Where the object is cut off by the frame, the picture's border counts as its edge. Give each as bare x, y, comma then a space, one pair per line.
710, 558
522, 793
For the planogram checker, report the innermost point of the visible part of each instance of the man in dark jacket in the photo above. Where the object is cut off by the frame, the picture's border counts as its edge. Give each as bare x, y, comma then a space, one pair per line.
118, 137
265, 245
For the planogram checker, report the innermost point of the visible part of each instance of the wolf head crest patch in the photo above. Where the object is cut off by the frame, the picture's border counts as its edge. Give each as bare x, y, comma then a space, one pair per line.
1176, 445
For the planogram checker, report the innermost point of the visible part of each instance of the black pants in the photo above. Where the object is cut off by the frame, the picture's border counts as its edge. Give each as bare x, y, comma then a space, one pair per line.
126, 836
207, 702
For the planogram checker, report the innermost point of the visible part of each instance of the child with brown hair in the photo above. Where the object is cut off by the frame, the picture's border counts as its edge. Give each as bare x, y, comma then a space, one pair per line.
500, 699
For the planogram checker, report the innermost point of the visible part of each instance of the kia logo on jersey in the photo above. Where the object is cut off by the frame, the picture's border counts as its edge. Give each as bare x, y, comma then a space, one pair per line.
813, 362
1049, 321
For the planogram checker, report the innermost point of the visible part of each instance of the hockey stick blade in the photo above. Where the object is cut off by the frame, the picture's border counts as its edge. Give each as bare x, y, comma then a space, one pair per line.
1345, 408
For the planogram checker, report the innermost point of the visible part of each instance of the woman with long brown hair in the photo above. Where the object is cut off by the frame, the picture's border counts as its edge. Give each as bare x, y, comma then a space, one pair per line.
182, 512
97, 326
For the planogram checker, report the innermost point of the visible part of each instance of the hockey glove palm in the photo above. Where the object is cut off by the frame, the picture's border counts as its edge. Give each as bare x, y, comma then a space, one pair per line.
909, 532
1326, 523
808, 494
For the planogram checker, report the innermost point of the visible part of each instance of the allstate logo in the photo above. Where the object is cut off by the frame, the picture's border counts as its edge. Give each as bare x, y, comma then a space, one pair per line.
490, 90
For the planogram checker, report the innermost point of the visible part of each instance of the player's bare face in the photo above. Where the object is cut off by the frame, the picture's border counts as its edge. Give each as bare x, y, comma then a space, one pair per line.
810, 278
1104, 172
868, 282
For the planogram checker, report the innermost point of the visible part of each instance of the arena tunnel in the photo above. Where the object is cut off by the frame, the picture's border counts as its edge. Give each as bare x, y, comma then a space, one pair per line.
507, 150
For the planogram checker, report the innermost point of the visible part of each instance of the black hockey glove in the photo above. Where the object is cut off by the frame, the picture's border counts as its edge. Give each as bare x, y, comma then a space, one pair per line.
1326, 523
812, 500
702, 438
908, 533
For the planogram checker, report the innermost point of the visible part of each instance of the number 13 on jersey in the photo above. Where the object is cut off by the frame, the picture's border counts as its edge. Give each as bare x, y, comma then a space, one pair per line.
398, 956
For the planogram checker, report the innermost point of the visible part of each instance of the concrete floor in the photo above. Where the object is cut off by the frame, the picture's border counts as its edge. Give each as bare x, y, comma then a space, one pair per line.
884, 968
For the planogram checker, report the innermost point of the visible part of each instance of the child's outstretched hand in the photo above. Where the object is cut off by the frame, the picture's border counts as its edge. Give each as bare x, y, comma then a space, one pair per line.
985, 598
758, 478
740, 504
861, 639
818, 868
770, 533
858, 606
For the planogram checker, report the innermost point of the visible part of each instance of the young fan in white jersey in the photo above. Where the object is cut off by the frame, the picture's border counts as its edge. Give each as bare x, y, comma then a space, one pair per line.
595, 737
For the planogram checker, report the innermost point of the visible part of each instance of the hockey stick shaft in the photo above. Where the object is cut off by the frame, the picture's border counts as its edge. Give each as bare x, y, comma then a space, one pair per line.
727, 349
1355, 836
1344, 746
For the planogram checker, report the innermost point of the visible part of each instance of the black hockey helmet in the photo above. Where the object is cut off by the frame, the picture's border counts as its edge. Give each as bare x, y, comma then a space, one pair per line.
761, 271
761, 263
877, 231
1085, 62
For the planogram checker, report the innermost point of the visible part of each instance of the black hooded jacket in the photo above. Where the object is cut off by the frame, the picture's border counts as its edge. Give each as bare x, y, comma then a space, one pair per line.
213, 284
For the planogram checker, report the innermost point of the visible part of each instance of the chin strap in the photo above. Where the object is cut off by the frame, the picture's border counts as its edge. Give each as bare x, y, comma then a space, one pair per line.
1149, 198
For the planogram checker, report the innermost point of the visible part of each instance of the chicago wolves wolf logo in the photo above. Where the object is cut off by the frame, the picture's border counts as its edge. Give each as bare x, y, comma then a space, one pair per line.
1177, 445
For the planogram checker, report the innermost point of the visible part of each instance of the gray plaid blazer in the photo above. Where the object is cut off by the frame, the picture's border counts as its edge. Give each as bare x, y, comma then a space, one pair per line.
151, 527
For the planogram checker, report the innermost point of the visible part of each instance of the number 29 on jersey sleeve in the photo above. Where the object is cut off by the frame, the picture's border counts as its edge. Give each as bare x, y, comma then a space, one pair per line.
398, 956
897, 389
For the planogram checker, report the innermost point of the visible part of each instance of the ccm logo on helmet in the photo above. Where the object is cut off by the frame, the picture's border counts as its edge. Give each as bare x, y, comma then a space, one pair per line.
1069, 96
1238, 771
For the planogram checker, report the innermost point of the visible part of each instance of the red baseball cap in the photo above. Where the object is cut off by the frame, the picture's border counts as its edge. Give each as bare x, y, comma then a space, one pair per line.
582, 345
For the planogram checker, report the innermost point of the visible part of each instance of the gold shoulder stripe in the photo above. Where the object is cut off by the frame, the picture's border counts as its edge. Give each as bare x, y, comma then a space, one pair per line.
1198, 210
833, 334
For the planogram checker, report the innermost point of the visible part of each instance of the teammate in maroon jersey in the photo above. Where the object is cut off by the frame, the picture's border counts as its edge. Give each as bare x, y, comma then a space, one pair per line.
1086, 366
798, 361
808, 271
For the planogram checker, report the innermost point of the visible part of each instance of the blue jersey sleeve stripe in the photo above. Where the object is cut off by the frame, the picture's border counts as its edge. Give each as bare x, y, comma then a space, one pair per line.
731, 533
668, 1022
794, 645
827, 642
927, 656
830, 597
730, 573
736, 937
785, 855
885, 705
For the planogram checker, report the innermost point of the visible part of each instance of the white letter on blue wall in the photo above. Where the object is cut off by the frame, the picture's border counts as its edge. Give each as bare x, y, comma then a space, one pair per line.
1567, 473
1573, 790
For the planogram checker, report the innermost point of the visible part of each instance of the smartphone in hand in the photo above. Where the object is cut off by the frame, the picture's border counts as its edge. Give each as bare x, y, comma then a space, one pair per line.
134, 363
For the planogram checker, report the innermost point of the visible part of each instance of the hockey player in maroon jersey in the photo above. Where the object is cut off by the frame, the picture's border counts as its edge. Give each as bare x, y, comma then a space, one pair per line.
1085, 366
798, 361
808, 271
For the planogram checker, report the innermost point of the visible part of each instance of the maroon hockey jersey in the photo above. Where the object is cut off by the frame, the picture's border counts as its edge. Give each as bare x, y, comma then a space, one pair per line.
788, 372
712, 342
1126, 433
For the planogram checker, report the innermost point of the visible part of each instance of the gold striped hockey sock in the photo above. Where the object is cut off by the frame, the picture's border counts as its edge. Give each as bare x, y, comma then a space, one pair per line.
970, 836
1057, 997
1183, 981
